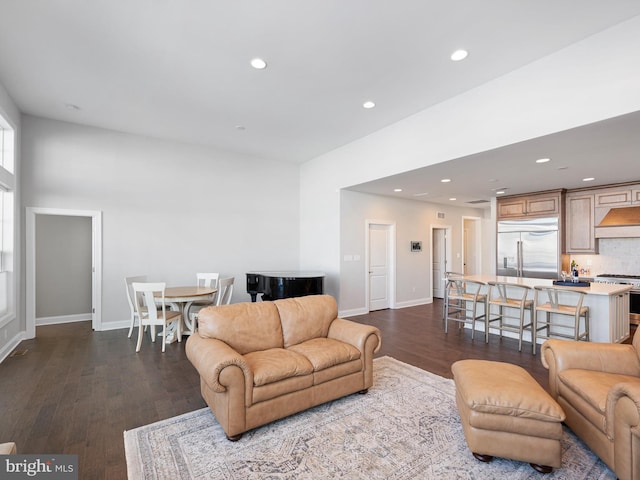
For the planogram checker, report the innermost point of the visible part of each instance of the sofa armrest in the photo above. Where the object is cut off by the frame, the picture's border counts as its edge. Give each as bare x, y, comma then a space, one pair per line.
559, 355
621, 412
211, 356
354, 333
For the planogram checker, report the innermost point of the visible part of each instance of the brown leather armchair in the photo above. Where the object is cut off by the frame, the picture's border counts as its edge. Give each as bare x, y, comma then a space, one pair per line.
598, 386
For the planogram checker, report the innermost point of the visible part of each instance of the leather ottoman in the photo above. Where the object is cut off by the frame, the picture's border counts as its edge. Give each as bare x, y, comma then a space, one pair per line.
506, 413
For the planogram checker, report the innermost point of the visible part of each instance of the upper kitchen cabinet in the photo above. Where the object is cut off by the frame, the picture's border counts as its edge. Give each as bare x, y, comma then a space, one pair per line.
614, 197
580, 223
635, 196
544, 204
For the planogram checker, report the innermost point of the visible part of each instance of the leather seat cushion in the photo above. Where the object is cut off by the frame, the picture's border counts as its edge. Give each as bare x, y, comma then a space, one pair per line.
503, 389
326, 352
275, 364
586, 391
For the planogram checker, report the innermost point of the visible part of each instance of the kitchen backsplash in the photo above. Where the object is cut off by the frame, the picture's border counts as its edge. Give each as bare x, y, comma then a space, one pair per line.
617, 256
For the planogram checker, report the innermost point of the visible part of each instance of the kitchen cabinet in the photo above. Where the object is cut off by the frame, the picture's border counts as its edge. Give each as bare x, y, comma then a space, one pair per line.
635, 196
580, 225
544, 204
613, 198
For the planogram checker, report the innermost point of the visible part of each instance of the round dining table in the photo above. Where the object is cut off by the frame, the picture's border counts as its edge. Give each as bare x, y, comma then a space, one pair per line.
180, 299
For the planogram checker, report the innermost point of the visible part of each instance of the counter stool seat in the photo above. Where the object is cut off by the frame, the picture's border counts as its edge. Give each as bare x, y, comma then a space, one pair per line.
548, 299
462, 298
512, 302
506, 413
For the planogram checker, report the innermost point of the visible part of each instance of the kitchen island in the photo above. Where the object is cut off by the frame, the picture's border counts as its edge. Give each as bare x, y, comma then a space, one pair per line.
608, 306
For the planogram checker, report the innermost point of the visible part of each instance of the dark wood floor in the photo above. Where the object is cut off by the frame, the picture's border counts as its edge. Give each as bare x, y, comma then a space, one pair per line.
75, 391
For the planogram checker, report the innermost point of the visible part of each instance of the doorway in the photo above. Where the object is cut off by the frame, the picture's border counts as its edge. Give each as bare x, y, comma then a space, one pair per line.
380, 265
31, 255
440, 258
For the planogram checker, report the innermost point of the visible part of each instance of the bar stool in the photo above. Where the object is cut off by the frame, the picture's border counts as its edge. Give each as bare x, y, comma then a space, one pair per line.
571, 306
447, 276
511, 300
462, 300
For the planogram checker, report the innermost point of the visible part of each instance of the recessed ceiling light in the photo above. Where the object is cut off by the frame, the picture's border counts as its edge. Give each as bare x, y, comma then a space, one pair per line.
368, 104
420, 194
563, 168
500, 192
543, 160
397, 189
258, 64
71, 106
445, 180
453, 199
240, 127
588, 179
459, 55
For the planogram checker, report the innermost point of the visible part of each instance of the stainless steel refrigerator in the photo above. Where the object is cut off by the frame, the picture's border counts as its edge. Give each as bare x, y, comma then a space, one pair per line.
528, 248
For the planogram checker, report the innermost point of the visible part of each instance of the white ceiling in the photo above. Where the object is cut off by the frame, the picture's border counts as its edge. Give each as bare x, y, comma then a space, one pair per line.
179, 69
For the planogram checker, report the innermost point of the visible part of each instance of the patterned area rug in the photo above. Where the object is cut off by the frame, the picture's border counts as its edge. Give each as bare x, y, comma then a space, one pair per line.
406, 427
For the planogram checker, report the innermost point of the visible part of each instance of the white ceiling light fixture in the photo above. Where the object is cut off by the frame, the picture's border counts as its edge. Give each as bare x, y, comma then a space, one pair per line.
543, 160
501, 192
445, 180
453, 199
258, 63
368, 104
588, 179
459, 54
397, 189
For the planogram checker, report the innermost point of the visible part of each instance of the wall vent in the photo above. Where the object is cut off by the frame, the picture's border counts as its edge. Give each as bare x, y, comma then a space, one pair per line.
440, 214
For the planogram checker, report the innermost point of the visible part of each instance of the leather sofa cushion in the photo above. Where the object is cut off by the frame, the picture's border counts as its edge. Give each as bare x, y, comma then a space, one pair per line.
587, 390
273, 365
326, 352
304, 318
245, 327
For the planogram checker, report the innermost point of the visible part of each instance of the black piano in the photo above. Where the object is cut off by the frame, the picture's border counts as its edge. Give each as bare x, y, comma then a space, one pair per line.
276, 285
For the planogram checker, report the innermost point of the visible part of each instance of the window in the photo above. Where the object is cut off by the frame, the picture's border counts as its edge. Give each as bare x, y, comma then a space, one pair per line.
7, 222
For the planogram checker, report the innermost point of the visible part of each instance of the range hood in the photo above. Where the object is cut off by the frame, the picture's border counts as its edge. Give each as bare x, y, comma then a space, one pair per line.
623, 222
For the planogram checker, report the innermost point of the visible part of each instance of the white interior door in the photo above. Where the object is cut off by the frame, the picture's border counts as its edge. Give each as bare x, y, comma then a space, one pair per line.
439, 261
378, 267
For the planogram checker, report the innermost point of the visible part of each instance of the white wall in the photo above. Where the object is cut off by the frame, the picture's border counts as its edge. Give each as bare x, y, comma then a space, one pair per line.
586, 82
169, 209
413, 221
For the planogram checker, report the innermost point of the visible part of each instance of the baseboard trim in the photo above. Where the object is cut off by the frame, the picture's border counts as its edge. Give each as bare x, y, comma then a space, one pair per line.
352, 312
11, 345
413, 303
78, 317
116, 325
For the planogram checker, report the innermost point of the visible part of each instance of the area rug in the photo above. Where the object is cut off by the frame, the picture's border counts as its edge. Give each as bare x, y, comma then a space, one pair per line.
406, 427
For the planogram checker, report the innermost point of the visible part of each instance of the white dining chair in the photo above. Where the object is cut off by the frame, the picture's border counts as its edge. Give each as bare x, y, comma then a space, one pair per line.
130, 299
225, 290
152, 310
209, 280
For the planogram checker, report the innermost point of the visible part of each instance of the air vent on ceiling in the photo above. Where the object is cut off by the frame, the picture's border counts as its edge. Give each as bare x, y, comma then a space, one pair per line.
440, 214
475, 202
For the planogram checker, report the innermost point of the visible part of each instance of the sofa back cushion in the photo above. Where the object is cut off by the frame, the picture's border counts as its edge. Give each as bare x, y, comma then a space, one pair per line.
245, 327
304, 318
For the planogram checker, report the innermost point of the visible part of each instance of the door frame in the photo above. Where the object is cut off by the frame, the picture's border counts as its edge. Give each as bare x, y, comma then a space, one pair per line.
30, 261
448, 247
478, 242
391, 278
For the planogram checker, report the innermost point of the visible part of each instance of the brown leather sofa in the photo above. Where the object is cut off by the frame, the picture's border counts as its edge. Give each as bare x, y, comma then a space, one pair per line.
262, 361
598, 386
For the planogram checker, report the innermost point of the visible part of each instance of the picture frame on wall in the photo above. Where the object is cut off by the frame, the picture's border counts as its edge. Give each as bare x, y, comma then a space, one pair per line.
416, 246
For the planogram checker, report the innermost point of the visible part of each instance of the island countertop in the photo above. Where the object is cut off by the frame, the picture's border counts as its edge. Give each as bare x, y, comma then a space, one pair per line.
594, 289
